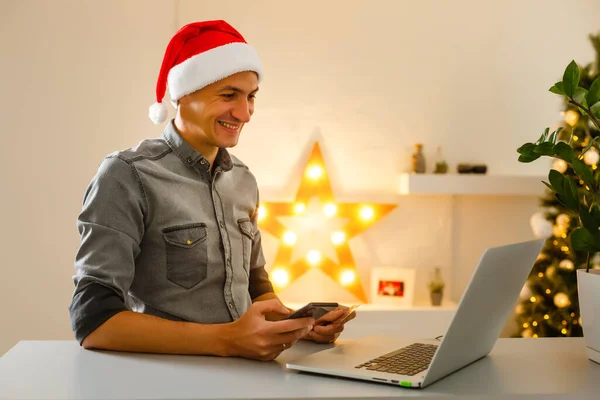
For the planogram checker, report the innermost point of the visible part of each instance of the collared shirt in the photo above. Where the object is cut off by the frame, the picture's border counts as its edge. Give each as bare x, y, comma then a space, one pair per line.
161, 234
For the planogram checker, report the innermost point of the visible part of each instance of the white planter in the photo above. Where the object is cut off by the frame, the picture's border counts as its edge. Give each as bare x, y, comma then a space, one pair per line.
588, 285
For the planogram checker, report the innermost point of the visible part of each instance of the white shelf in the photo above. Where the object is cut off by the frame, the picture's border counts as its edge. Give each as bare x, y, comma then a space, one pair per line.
471, 184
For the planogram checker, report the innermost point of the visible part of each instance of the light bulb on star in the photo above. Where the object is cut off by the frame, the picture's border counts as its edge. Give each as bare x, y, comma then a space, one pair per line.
347, 277
280, 277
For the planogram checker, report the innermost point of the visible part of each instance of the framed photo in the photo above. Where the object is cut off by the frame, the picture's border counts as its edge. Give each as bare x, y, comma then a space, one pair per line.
392, 286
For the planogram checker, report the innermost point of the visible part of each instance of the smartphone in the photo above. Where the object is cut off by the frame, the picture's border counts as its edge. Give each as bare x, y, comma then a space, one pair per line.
315, 310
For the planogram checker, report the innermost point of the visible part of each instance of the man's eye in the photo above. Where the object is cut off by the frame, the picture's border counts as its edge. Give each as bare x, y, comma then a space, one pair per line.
228, 95
252, 97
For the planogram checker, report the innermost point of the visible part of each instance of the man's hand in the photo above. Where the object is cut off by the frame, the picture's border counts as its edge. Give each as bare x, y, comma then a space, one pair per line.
328, 328
252, 336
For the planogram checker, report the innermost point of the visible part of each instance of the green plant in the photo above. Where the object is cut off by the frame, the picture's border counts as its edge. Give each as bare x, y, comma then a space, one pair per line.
436, 287
583, 203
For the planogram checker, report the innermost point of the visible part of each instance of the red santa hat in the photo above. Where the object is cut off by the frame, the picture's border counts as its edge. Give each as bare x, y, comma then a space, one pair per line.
199, 54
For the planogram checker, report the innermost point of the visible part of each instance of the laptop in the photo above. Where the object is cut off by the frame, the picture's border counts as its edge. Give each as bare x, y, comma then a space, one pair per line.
480, 317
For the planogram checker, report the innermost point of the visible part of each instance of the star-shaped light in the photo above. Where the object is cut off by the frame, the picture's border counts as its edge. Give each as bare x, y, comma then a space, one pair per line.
314, 224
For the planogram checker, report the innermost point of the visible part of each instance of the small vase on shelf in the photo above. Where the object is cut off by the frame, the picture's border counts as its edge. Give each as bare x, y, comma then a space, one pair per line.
436, 288
418, 160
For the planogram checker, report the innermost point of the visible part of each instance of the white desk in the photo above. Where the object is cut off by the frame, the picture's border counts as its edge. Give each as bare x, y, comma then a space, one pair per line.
516, 369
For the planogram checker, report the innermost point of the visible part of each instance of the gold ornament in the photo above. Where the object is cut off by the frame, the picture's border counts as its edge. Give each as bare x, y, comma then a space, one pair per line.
560, 165
561, 300
571, 117
567, 265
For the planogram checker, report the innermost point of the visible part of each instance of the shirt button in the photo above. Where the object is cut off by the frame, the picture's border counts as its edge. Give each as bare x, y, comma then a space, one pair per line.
189, 159
202, 162
222, 224
231, 305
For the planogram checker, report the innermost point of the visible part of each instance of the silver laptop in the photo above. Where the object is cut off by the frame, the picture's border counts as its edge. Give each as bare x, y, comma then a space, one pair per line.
481, 314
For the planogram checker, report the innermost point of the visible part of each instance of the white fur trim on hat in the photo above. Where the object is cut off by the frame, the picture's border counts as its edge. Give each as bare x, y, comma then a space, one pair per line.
210, 66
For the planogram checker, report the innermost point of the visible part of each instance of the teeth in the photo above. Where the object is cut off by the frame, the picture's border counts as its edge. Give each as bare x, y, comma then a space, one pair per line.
226, 125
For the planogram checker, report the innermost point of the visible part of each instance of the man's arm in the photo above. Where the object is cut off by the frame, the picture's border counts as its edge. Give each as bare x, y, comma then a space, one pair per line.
136, 332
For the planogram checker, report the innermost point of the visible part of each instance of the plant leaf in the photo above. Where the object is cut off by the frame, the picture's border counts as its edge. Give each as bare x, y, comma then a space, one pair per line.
558, 88
595, 109
558, 181
595, 213
579, 96
593, 95
588, 221
572, 195
583, 173
571, 78
544, 149
548, 185
526, 148
527, 158
589, 146
583, 240
564, 151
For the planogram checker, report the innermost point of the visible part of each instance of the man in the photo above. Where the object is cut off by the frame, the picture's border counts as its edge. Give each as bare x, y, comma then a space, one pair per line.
170, 259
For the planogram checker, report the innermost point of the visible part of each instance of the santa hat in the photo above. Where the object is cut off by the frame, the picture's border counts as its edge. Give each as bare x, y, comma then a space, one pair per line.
199, 54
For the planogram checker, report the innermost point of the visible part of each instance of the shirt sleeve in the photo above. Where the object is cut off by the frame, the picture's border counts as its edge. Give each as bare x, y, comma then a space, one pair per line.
111, 227
259, 278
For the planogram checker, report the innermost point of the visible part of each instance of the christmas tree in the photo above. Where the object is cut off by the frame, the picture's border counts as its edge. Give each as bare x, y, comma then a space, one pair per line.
548, 304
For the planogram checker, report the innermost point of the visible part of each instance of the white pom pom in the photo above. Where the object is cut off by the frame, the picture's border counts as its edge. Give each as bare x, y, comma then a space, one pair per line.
542, 228
157, 113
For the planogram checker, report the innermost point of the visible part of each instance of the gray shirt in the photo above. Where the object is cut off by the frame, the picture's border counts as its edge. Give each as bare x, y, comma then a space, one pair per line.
161, 234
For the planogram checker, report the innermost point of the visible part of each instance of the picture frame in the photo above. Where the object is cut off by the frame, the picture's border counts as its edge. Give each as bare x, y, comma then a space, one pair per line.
392, 286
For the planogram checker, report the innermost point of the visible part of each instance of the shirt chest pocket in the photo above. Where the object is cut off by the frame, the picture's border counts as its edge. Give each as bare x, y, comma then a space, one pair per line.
247, 230
186, 248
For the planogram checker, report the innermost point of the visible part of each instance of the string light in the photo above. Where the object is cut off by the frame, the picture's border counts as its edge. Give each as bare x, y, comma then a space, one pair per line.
546, 316
532, 299
534, 323
535, 336
525, 325
563, 331
548, 291
541, 274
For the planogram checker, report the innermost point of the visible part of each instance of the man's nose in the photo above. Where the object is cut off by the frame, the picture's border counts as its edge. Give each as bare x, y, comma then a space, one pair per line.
243, 111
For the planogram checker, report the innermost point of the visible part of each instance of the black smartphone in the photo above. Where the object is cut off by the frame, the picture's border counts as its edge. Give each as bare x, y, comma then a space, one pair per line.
315, 310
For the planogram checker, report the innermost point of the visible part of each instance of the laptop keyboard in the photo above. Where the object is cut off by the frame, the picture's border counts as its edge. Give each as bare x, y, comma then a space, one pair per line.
409, 360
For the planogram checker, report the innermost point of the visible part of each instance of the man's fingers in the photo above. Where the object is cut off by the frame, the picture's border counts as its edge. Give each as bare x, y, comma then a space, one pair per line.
290, 337
329, 329
268, 306
331, 316
318, 338
290, 325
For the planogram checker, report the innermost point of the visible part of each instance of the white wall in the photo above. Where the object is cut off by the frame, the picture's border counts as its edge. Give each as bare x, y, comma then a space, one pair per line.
368, 79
